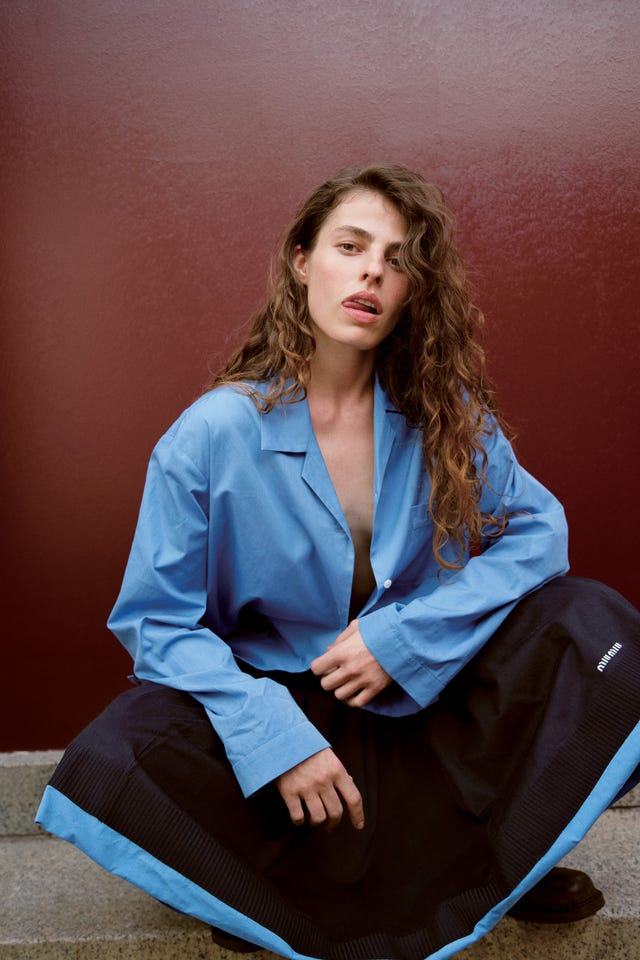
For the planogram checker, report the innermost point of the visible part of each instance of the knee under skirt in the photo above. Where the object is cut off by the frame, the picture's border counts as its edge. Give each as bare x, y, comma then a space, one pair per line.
468, 803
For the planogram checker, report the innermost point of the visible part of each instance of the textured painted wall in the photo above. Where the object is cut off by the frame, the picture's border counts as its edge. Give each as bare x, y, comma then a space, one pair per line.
151, 154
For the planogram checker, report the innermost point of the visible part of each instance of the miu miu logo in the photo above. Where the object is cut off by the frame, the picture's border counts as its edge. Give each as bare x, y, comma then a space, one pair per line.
609, 655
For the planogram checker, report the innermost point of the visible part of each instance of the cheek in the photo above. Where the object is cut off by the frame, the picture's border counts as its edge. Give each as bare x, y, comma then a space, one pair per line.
318, 271
401, 290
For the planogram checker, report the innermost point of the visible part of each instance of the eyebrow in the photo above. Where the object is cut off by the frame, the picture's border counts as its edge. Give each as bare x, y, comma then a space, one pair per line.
365, 235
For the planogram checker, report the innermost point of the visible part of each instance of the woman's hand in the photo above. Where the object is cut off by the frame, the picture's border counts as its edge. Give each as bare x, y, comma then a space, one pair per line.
321, 785
350, 670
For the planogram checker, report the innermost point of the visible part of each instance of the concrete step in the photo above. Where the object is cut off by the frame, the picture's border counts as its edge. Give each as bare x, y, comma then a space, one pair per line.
23, 777
56, 903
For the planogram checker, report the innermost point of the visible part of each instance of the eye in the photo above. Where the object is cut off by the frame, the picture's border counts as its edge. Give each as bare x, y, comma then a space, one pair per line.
348, 246
394, 263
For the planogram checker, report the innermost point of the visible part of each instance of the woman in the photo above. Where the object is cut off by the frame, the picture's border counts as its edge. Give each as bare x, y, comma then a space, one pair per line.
371, 715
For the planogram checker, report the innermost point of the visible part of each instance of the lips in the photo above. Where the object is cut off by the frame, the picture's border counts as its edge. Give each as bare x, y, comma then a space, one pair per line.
363, 306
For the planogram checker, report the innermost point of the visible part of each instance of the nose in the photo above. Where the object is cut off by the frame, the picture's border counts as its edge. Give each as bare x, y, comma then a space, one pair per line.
374, 268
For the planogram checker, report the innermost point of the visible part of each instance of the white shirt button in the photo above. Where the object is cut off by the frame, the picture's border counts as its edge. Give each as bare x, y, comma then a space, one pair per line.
387, 584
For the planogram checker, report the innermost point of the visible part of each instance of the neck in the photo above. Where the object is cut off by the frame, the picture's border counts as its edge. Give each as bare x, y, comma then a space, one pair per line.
342, 375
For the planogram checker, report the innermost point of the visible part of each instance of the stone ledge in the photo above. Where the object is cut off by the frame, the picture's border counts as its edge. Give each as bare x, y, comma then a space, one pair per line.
59, 905
23, 777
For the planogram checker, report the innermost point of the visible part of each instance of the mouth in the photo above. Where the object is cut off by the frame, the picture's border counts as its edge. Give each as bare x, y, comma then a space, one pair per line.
363, 306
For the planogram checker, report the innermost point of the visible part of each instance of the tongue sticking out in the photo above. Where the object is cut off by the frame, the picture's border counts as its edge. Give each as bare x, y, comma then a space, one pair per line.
362, 305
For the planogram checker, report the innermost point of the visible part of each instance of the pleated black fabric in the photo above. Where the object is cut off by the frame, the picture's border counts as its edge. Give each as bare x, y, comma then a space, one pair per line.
461, 800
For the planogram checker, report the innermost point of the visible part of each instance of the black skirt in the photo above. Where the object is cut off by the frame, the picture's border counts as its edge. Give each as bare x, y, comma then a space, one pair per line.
463, 800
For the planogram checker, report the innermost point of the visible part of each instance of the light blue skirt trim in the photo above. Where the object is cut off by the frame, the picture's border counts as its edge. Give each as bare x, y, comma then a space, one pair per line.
125, 859
619, 770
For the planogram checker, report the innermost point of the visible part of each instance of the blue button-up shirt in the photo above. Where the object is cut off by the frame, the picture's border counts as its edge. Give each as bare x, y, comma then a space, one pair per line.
242, 552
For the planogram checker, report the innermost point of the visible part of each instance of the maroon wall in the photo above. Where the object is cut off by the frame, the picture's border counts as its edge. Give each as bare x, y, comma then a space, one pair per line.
152, 151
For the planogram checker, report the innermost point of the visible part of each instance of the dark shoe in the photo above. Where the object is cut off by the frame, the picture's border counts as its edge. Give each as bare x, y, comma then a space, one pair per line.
563, 896
229, 942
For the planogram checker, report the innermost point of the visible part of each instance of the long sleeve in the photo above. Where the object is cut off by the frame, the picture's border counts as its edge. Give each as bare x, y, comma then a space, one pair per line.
424, 642
242, 554
160, 612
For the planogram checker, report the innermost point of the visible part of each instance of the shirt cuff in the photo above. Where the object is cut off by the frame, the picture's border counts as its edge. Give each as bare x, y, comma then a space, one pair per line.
278, 755
382, 637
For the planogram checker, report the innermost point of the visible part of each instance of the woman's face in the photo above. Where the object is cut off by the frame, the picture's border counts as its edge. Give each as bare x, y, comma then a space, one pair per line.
355, 287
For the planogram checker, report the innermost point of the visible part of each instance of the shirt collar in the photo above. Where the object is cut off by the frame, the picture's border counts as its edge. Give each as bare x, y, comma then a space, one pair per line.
287, 428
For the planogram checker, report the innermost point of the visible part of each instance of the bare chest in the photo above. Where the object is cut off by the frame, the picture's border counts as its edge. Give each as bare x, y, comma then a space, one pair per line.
348, 455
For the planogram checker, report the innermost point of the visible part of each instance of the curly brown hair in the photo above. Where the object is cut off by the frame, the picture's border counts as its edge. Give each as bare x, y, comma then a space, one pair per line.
431, 365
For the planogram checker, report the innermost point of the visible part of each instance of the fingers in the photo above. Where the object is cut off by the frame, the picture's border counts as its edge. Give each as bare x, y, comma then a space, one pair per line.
315, 809
327, 809
352, 628
354, 694
346, 648
324, 809
317, 790
331, 658
336, 677
342, 683
341, 680
353, 801
350, 671
327, 662
295, 808
360, 698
